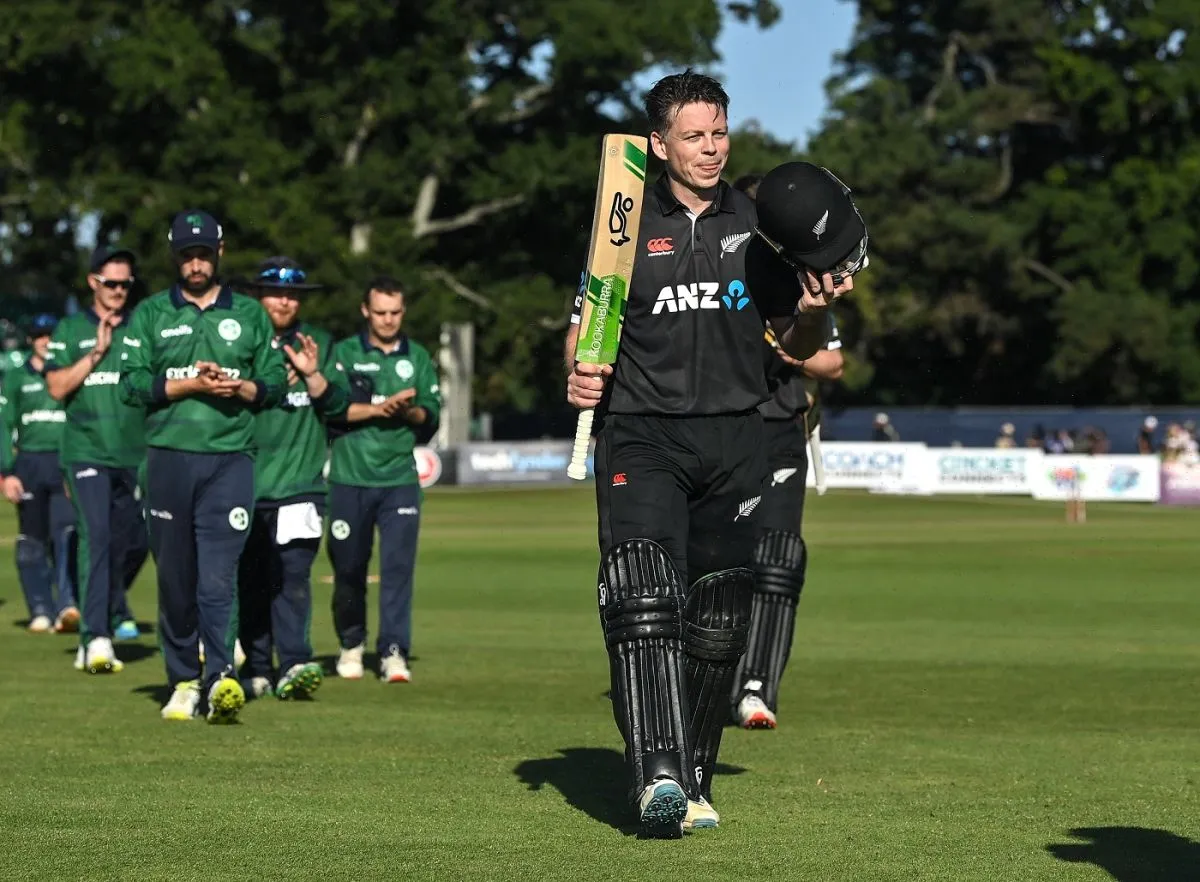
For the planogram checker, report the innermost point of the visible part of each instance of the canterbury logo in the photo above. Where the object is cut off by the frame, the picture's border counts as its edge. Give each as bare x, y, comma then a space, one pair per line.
821, 225
732, 243
660, 246
747, 507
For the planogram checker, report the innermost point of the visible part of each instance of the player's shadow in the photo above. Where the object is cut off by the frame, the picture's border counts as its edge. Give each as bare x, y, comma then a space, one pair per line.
1133, 854
159, 693
129, 653
592, 780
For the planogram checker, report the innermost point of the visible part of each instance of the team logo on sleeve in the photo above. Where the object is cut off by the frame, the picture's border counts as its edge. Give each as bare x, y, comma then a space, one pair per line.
404, 369
239, 519
229, 329
339, 529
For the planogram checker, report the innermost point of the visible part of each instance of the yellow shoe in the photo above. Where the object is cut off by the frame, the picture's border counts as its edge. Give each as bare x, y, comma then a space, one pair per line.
184, 701
225, 699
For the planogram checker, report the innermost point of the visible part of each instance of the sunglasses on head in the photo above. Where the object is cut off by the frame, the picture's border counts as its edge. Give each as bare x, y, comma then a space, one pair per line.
284, 275
114, 284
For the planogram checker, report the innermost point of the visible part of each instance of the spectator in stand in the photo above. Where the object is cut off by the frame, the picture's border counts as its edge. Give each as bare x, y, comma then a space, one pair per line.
1145, 438
1008, 436
1098, 443
1054, 442
1037, 438
884, 430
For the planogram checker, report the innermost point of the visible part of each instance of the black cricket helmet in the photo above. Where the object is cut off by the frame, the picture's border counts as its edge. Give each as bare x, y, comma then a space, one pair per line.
807, 217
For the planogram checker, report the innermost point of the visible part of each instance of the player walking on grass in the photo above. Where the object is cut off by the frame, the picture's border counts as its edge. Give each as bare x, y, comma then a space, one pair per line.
33, 421
199, 358
679, 457
780, 556
102, 445
274, 577
395, 404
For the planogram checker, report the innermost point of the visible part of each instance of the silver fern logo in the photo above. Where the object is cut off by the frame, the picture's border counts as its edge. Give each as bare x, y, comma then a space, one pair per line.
747, 507
733, 242
781, 476
821, 225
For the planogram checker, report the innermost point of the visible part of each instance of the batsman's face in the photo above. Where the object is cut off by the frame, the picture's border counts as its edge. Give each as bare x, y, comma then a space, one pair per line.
696, 146
384, 313
282, 307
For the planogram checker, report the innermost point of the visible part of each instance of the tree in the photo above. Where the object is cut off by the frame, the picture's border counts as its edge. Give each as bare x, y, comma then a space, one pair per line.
451, 142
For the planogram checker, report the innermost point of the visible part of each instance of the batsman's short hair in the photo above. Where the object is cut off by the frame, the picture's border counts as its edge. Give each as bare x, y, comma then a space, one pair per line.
383, 284
671, 93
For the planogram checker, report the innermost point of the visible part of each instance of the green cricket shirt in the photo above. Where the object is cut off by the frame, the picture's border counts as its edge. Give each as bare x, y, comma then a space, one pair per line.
101, 429
32, 420
379, 452
292, 438
167, 336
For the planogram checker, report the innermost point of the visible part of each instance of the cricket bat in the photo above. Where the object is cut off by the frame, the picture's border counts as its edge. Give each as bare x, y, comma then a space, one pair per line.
615, 222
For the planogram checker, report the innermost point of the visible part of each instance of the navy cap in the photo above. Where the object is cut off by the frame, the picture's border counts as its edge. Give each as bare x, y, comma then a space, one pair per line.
105, 253
194, 227
808, 215
41, 325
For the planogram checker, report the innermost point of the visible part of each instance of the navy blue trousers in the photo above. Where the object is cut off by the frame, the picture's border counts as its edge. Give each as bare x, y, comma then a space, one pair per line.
199, 506
354, 513
275, 594
110, 517
46, 523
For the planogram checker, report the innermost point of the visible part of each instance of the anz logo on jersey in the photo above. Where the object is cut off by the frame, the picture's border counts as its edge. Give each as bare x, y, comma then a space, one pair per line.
702, 295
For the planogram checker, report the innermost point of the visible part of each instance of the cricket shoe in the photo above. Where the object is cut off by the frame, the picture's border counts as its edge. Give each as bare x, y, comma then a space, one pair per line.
394, 668
100, 657
239, 654
127, 630
700, 815
753, 713
67, 621
40, 625
300, 681
184, 703
225, 699
350, 663
258, 687
661, 808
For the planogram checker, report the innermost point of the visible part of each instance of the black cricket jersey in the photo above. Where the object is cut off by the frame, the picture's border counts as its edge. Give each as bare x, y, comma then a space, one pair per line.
786, 383
702, 290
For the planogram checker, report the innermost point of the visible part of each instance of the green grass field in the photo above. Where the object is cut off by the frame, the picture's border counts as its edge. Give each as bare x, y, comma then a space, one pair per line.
973, 680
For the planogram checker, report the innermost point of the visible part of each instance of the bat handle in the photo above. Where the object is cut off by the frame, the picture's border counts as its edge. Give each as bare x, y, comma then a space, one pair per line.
577, 470
814, 443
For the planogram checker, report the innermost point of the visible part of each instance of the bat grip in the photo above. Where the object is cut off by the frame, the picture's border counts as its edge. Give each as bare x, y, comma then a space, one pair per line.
577, 470
814, 443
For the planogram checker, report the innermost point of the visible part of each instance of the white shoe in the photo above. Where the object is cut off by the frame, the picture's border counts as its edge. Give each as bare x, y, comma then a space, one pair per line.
80, 657
100, 658
393, 668
753, 713
662, 807
259, 687
40, 625
350, 663
700, 815
239, 654
184, 701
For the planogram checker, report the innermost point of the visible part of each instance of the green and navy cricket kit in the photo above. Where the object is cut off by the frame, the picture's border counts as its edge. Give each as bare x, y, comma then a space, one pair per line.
33, 423
374, 483
200, 469
274, 574
292, 439
166, 338
103, 443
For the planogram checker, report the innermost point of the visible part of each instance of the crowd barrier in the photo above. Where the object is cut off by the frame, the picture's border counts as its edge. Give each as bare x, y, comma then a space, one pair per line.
900, 468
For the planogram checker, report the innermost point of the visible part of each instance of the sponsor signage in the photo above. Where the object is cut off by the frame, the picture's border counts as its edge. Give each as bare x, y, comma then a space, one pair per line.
518, 462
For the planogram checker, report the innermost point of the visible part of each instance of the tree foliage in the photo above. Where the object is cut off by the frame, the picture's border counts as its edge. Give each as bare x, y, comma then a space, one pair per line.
1030, 173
